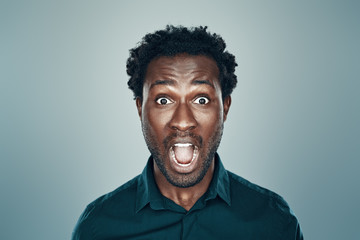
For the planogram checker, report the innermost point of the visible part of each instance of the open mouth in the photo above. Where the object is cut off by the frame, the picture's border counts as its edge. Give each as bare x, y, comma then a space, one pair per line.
183, 154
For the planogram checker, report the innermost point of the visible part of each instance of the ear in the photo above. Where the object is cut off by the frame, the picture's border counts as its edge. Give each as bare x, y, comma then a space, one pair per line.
139, 106
227, 103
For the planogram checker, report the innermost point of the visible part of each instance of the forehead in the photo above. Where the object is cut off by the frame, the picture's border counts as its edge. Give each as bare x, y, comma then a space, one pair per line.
182, 65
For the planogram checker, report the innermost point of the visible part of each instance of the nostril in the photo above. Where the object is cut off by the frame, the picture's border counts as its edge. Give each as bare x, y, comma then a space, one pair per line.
192, 127
182, 127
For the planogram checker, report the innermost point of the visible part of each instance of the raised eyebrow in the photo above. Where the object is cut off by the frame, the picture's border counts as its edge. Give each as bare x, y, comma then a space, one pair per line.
163, 82
199, 82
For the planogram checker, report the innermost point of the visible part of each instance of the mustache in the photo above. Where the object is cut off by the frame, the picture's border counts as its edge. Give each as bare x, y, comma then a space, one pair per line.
172, 136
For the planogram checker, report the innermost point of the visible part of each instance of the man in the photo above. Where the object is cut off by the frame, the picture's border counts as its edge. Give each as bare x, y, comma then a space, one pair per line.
182, 80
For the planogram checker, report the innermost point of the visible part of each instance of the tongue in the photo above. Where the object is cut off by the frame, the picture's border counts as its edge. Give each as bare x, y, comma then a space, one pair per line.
184, 154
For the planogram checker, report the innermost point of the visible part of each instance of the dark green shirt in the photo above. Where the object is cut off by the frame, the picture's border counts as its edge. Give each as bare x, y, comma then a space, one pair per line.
232, 208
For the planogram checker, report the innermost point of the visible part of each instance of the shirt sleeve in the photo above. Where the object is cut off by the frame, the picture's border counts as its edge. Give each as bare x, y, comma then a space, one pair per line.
298, 233
293, 230
290, 229
83, 229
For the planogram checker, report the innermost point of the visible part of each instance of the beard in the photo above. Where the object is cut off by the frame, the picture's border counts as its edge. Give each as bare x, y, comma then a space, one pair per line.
206, 155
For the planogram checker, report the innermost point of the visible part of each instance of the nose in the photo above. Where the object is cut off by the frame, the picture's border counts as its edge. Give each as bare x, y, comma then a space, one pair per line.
183, 118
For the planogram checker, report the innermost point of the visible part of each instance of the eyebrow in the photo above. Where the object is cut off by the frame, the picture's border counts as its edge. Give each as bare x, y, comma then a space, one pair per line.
207, 82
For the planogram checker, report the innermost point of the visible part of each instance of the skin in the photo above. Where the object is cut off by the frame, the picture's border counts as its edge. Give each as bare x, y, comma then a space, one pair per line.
182, 102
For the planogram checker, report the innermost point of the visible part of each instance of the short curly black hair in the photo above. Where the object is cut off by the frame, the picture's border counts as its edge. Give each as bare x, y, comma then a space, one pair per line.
176, 40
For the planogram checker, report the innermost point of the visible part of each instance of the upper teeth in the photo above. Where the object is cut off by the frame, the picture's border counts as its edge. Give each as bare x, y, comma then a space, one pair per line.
182, 144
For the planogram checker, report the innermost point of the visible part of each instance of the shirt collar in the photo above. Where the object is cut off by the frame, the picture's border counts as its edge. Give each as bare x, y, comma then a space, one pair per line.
148, 192
220, 184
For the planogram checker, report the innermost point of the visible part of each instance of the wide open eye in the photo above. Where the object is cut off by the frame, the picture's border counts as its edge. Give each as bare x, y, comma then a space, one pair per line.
163, 101
201, 100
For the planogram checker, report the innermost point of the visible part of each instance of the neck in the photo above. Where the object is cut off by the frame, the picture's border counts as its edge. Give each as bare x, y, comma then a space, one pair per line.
185, 197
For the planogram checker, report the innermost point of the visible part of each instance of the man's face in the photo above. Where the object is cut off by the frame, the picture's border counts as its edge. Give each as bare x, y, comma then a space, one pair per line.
182, 116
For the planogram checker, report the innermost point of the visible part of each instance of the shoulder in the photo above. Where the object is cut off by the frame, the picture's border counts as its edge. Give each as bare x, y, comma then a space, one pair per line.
260, 204
255, 193
119, 195
115, 203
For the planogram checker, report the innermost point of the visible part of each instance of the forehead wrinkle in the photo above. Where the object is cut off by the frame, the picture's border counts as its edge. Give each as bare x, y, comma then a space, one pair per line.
163, 82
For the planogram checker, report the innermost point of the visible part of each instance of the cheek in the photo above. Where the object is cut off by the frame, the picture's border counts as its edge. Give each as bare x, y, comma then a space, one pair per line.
155, 120
210, 117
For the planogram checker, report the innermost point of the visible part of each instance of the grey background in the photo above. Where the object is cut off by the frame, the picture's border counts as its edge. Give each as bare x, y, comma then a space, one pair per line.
69, 130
